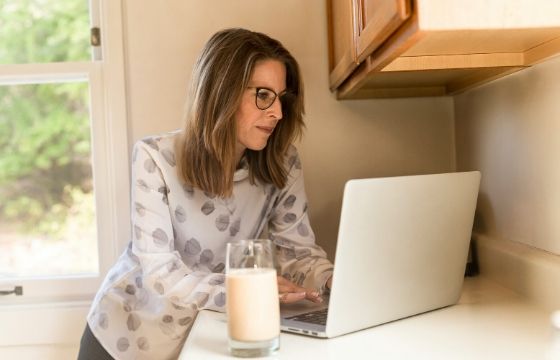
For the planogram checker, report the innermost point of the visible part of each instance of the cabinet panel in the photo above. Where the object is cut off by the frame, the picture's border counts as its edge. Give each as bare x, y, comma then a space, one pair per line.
377, 20
342, 44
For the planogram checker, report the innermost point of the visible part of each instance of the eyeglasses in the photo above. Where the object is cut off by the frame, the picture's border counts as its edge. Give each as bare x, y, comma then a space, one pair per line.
264, 97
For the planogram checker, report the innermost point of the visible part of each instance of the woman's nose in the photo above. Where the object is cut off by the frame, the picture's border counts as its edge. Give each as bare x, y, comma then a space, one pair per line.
276, 109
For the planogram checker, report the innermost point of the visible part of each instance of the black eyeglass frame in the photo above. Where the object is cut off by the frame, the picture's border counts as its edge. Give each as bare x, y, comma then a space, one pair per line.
283, 97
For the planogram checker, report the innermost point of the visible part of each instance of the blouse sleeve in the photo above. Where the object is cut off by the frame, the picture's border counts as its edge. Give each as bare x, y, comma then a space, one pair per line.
300, 259
163, 271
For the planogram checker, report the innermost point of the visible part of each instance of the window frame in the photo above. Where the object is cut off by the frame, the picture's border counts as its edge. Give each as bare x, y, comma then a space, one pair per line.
46, 297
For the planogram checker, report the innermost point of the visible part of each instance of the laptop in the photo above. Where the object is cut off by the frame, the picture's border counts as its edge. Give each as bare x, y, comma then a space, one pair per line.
402, 249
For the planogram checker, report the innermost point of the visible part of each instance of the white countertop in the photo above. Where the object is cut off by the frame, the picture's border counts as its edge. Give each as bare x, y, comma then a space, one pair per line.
489, 322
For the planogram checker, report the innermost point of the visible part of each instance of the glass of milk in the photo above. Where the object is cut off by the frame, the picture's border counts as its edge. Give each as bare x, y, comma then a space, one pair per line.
253, 309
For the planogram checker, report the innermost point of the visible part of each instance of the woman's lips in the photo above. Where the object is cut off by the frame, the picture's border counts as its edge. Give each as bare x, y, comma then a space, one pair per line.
266, 129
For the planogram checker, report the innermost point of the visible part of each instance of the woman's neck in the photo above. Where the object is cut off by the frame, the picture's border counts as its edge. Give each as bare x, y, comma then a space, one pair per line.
239, 151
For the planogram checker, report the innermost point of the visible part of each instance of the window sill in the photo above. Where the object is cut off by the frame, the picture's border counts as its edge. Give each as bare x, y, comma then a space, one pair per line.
41, 323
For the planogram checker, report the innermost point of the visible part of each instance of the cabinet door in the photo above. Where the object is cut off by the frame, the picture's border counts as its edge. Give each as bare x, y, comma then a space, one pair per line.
377, 20
342, 23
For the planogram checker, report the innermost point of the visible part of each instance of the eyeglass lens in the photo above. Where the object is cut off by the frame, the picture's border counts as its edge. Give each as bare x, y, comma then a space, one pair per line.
265, 98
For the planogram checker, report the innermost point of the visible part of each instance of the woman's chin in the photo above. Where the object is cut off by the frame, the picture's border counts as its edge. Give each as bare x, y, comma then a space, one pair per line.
257, 147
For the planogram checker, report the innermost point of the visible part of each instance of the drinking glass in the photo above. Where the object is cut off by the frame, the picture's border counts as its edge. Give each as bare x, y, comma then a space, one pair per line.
253, 309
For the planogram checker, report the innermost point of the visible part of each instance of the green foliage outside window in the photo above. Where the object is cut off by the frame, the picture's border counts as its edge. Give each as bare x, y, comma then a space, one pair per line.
37, 31
45, 170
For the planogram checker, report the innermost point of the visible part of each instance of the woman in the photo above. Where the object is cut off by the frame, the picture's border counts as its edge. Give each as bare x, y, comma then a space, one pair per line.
231, 173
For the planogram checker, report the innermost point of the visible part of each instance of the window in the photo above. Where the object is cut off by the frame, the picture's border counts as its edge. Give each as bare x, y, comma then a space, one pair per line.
63, 148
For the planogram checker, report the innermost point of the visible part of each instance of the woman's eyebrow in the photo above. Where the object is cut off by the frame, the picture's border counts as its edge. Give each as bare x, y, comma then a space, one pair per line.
268, 88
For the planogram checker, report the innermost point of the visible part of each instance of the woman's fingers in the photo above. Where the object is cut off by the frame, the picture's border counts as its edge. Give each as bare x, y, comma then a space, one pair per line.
287, 297
287, 288
314, 296
285, 285
291, 297
290, 292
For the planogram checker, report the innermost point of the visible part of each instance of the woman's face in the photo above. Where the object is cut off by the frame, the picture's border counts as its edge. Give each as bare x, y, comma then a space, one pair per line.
254, 126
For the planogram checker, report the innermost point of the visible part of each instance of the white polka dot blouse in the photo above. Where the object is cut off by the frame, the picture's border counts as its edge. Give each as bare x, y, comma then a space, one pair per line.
174, 264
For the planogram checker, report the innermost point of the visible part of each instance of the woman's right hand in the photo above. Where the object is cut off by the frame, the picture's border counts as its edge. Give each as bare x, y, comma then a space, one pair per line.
289, 292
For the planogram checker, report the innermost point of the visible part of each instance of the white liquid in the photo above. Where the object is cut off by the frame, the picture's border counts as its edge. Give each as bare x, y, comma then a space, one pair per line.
253, 309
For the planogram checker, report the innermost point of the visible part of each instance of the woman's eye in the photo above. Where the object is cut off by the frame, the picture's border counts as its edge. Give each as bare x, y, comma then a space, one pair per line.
263, 95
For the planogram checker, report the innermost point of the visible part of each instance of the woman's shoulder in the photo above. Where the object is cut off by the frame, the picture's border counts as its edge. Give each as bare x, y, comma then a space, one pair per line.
160, 146
158, 141
292, 158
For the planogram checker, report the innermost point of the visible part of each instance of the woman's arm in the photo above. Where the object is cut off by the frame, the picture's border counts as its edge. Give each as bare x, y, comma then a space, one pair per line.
163, 270
300, 259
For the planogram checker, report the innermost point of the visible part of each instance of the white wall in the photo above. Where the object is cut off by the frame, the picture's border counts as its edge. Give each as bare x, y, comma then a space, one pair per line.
510, 131
343, 139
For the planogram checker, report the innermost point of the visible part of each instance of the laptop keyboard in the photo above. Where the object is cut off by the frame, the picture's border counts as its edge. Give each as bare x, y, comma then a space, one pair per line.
318, 317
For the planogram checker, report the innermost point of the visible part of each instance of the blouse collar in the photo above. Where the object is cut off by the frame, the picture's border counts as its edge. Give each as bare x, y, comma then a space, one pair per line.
242, 171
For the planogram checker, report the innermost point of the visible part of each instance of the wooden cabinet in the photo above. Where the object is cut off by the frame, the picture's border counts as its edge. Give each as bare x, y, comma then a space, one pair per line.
398, 48
357, 28
377, 20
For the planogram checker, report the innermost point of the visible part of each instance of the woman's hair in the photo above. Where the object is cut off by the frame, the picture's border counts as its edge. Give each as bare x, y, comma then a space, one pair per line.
205, 150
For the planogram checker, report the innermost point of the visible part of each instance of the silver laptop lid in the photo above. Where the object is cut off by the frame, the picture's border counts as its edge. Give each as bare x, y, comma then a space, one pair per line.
402, 248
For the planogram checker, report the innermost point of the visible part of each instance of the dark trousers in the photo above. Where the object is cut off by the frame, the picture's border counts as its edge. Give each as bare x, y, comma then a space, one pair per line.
90, 348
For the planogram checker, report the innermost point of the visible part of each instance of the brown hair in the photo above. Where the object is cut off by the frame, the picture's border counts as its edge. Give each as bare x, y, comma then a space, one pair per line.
206, 148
